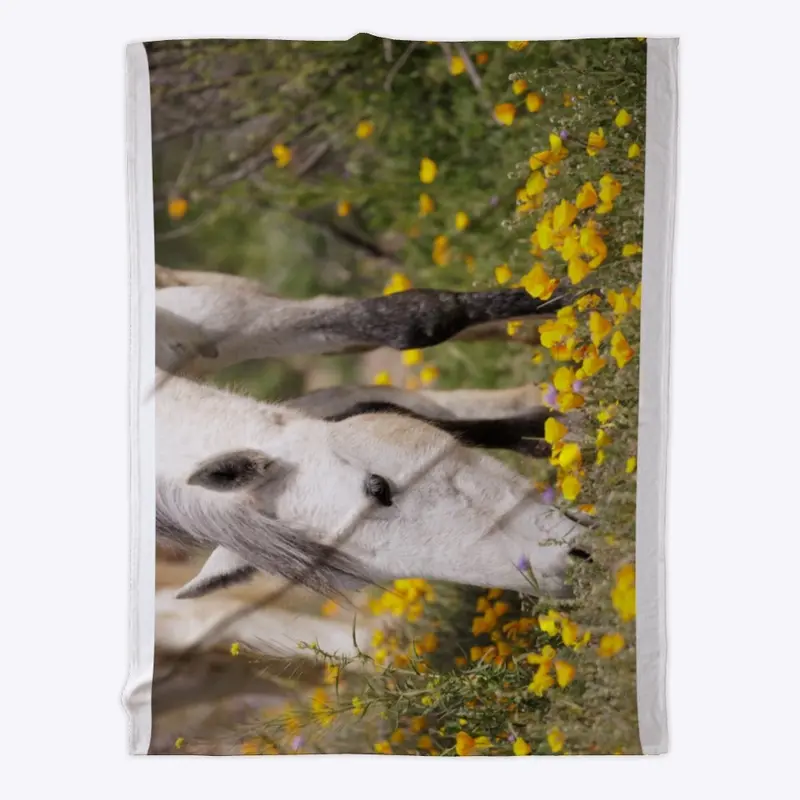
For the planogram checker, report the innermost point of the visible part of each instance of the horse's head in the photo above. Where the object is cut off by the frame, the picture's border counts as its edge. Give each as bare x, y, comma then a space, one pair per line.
399, 498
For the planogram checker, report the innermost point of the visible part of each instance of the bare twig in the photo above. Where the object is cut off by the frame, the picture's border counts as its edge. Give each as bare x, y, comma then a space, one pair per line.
470, 67
398, 65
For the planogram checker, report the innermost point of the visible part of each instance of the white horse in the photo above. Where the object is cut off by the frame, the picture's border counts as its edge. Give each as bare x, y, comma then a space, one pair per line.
336, 504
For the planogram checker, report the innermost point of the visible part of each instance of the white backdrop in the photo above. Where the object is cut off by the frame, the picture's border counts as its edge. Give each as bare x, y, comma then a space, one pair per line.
733, 529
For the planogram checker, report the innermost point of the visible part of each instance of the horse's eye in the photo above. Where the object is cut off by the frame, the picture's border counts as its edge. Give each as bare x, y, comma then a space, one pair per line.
379, 488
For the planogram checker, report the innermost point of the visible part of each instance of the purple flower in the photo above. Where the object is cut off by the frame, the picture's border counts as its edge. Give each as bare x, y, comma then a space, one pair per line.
577, 386
494, 200
511, 737
297, 742
548, 495
564, 135
551, 396
523, 564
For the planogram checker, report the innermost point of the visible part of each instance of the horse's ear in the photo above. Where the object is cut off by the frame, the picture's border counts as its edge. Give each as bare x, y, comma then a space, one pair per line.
223, 568
238, 469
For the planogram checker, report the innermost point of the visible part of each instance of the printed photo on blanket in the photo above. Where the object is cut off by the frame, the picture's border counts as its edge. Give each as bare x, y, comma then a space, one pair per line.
397, 340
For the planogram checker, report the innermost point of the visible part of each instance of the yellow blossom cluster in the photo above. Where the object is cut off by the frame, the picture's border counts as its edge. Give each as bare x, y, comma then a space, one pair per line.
623, 595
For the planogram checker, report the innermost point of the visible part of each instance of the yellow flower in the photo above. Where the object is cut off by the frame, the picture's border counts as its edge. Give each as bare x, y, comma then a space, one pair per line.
570, 454
602, 439
554, 431
565, 673
569, 400
563, 378
610, 645
504, 113
534, 101
549, 624
502, 274
343, 208
482, 58
601, 457
235, 649
542, 681
397, 737
518, 45
441, 251
577, 270
631, 250
512, 327
634, 151
604, 416
398, 282
571, 487
365, 129
623, 119
597, 141
427, 170
570, 635
384, 748
177, 207
538, 160
412, 357
538, 283
357, 706
545, 658
620, 301
587, 196
179, 742
623, 595
282, 154
462, 221
599, 327
501, 608
630, 465
457, 65
610, 188
636, 300
563, 215
620, 349
587, 301
428, 374
429, 643
536, 184
320, 709
556, 740
592, 364
465, 744
417, 724
519, 86
426, 204
383, 378
521, 747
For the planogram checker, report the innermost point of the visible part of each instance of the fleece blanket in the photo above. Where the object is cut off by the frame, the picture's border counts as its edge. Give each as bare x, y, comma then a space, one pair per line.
399, 384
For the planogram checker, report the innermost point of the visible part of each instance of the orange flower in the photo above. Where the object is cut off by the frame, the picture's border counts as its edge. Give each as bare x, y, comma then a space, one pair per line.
177, 208
504, 113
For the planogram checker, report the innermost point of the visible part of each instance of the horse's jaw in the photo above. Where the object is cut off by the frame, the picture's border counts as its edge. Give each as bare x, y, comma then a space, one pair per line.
526, 550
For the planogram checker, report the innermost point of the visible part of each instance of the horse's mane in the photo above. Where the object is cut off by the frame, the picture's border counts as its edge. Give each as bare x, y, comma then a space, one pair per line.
190, 515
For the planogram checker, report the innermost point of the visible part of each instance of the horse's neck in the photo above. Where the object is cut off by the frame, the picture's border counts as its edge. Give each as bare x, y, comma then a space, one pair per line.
195, 421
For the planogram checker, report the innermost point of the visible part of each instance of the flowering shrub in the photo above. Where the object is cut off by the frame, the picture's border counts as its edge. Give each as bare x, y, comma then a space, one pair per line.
515, 165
